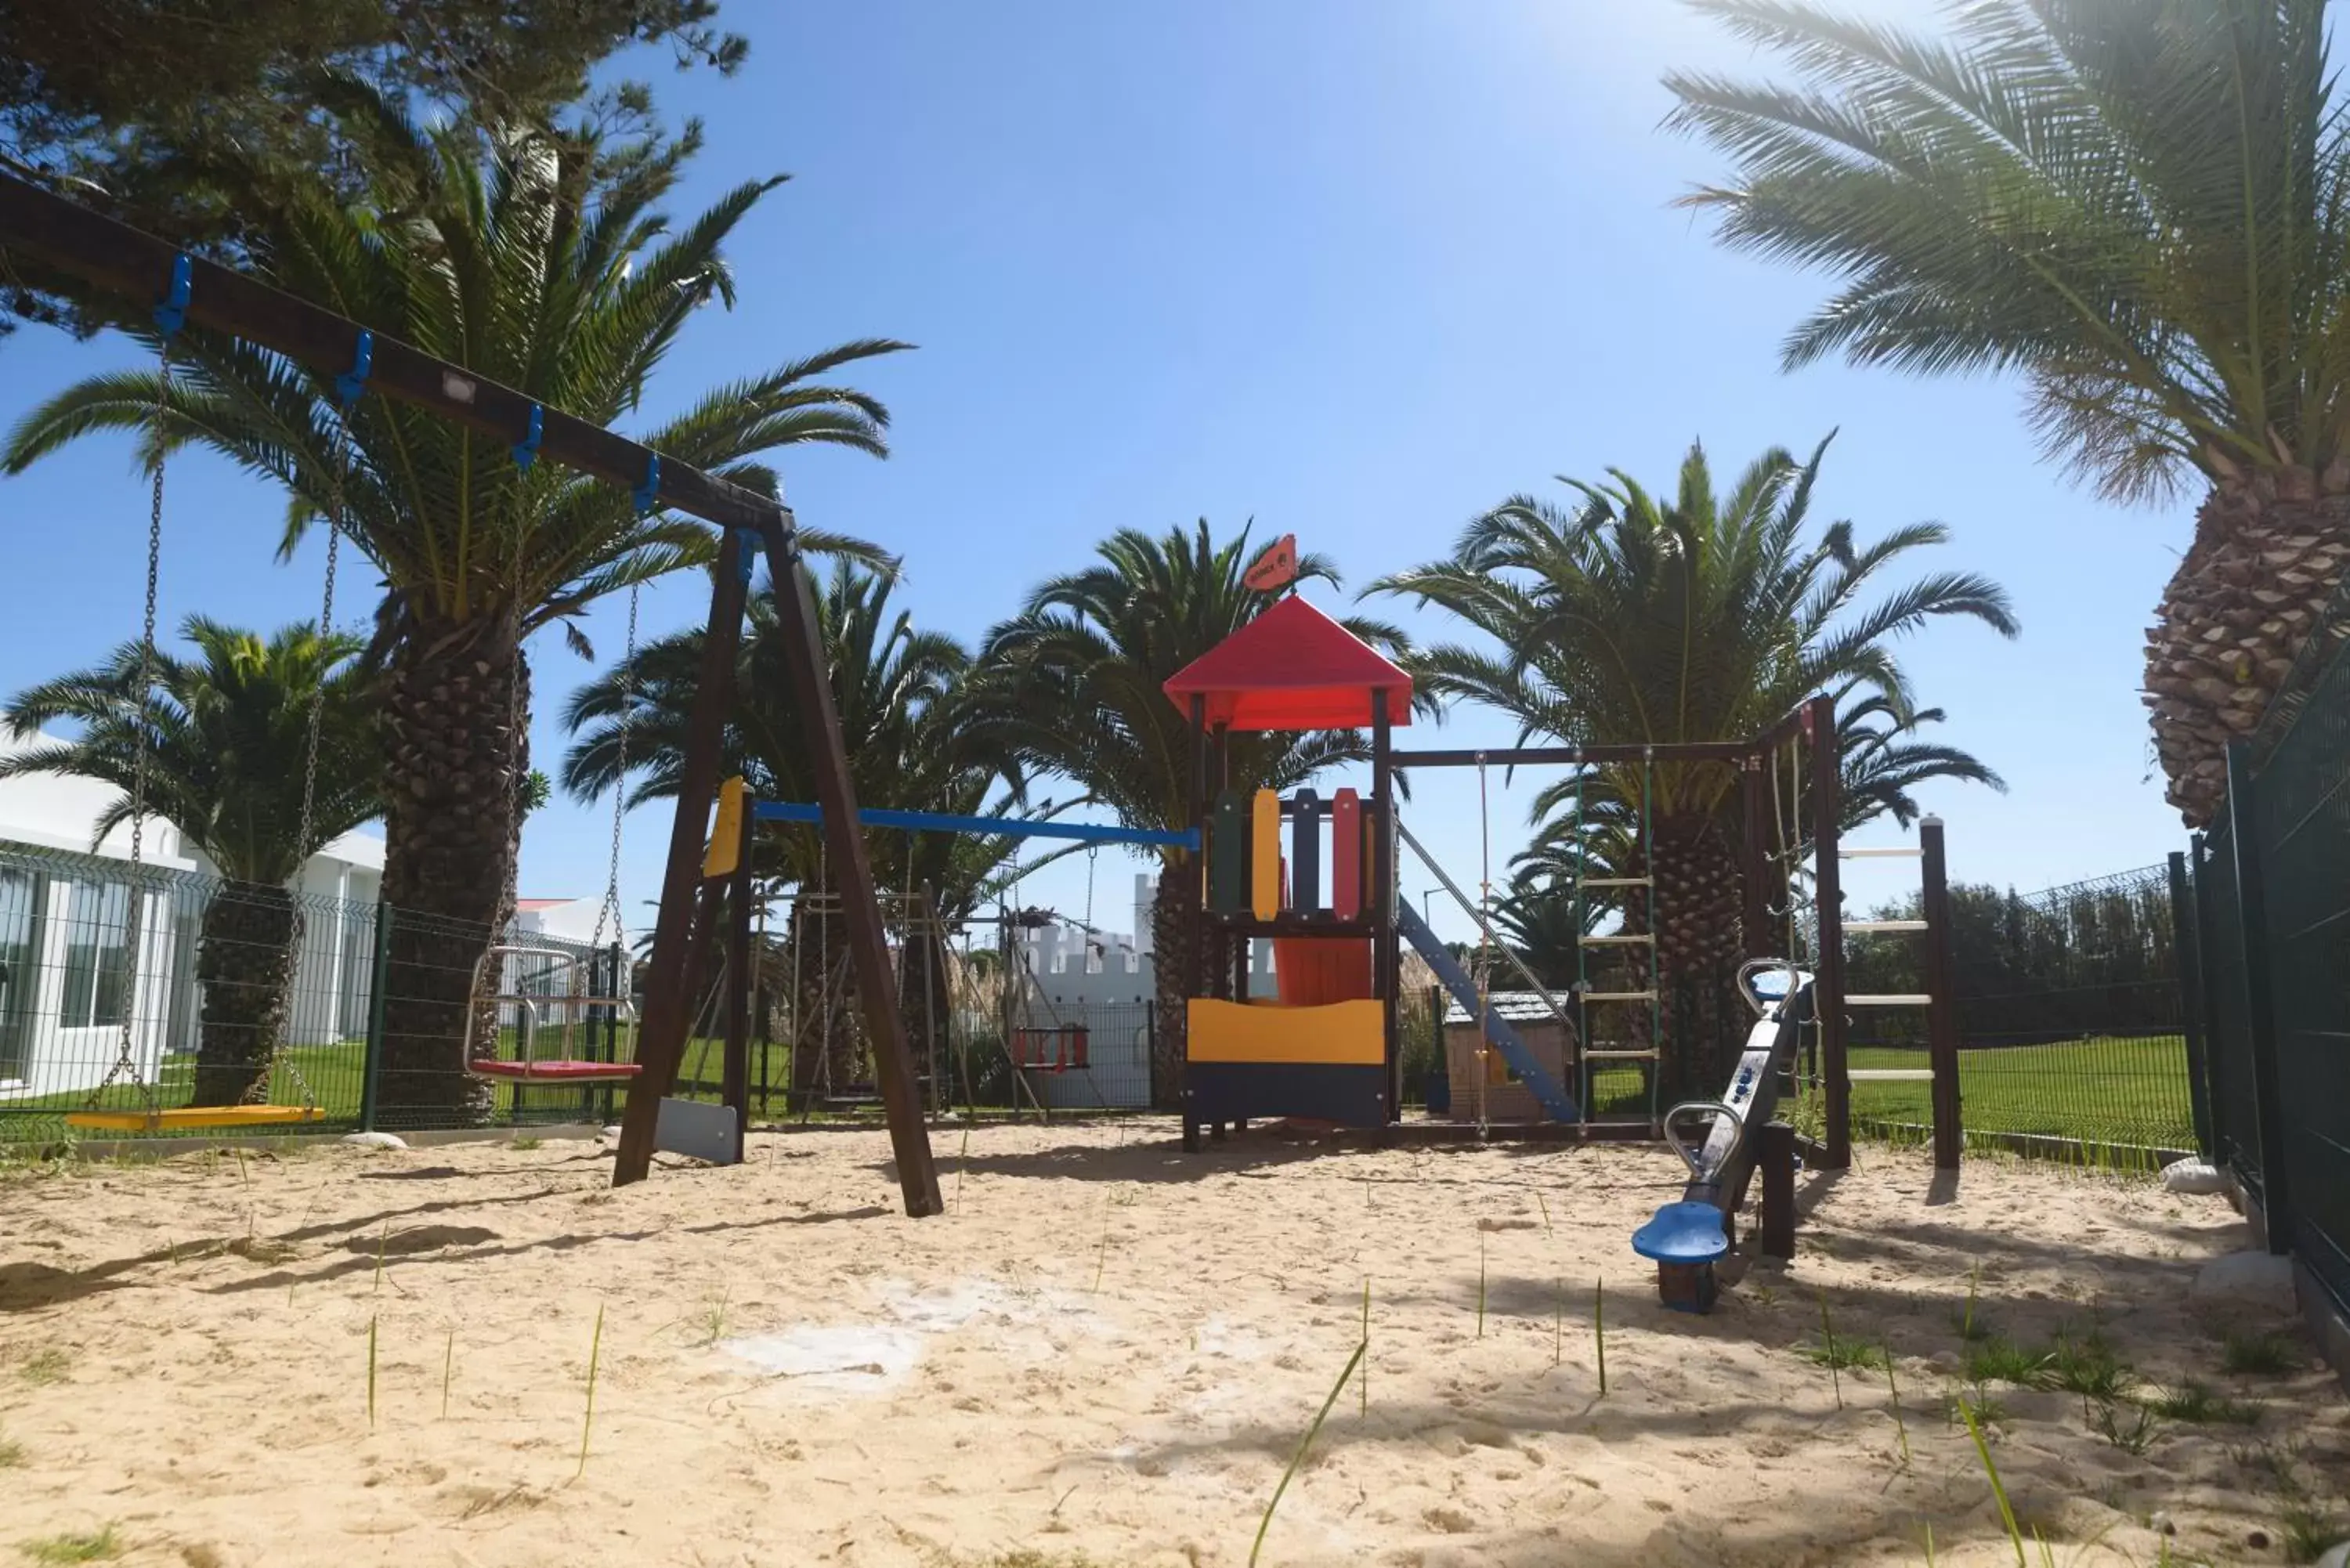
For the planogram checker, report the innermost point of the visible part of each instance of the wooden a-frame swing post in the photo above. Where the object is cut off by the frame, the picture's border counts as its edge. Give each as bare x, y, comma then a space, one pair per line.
660, 1045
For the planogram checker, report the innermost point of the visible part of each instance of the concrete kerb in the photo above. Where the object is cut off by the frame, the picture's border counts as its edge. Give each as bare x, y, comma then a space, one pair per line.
165, 1149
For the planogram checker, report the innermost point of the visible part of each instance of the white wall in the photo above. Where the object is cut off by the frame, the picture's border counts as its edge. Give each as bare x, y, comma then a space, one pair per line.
1104, 990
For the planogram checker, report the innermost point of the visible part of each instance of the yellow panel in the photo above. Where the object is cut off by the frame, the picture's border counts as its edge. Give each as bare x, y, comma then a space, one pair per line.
726, 838
195, 1116
1264, 848
1340, 1033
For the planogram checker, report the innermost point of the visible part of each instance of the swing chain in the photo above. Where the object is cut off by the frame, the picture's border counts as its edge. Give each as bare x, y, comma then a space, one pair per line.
257, 1092
1484, 976
126, 1062
348, 388
610, 912
1085, 931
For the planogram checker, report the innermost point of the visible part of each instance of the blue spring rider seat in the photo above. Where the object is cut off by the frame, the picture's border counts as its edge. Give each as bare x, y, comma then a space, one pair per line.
1682, 1232
1684, 1240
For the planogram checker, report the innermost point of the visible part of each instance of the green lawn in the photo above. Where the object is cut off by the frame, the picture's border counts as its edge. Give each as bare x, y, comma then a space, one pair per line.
334, 1076
332, 1072
2130, 1091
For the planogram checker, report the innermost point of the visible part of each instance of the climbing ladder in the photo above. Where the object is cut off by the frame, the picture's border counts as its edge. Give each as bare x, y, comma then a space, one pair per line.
1890, 927
1595, 1053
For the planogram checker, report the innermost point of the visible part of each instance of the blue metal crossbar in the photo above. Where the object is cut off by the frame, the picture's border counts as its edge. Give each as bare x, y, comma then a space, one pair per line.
1011, 826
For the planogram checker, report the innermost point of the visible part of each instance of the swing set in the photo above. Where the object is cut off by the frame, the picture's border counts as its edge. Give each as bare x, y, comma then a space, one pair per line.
253, 1110
350, 358
594, 1016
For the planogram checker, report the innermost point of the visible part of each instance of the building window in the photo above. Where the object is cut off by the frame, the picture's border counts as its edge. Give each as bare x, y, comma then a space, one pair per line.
23, 895
97, 956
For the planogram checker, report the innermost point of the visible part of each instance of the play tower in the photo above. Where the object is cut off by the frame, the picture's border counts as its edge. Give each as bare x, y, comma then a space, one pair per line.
1316, 876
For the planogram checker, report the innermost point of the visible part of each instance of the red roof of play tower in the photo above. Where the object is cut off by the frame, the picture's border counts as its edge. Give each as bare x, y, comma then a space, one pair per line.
1292, 668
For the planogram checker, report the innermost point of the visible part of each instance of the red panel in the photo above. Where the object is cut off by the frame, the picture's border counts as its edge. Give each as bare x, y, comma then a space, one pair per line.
1310, 972
554, 1072
1346, 854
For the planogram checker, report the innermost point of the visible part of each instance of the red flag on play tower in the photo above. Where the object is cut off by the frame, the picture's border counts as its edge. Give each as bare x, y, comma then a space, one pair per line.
1277, 569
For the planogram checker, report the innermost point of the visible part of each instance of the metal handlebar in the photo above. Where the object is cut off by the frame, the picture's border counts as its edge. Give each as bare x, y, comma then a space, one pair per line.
1711, 1108
1759, 966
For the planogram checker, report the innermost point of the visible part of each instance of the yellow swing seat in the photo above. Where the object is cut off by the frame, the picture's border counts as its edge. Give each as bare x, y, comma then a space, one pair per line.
193, 1116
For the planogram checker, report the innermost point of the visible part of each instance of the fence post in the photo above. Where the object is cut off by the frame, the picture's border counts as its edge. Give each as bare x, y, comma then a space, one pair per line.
2260, 1002
1942, 1006
735, 1072
616, 955
1775, 1159
763, 1005
371, 1069
2209, 937
1827, 905
2186, 956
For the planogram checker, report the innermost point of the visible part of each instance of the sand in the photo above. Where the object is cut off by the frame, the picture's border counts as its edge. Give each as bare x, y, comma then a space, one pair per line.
1104, 1353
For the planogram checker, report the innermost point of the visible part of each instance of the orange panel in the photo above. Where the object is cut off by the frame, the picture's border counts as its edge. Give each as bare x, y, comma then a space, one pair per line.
1264, 847
1345, 1033
193, 1116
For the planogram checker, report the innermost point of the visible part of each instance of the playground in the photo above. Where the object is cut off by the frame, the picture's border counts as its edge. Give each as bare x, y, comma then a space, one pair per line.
1106, 1351
1695, 1266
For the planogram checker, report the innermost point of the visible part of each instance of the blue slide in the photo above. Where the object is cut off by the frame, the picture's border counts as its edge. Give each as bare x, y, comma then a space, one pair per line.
1499, 1034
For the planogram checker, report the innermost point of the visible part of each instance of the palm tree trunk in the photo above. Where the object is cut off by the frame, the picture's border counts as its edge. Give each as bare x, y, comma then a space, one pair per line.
1698, 950
1174, 925
246, 973
456, 708
2268, 552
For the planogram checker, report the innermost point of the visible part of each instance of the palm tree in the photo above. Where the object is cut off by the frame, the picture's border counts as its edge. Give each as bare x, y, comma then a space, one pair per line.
538, 259
910, 744
1071, 686
226, 735
899, 691
1632, 620
2138, 204
1543, 924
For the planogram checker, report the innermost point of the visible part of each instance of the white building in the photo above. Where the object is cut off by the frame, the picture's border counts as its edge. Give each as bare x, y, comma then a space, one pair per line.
572, 921
66, 975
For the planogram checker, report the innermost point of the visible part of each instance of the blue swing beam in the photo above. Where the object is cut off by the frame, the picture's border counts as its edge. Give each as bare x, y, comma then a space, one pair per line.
1011, 826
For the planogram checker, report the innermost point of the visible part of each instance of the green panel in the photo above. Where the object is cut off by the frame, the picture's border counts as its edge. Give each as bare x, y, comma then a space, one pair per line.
1228, 854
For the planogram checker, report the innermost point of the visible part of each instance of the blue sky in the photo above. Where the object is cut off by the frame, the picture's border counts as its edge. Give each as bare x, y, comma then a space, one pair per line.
1353, 268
